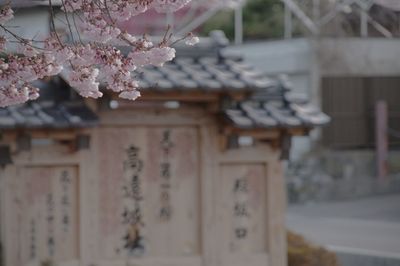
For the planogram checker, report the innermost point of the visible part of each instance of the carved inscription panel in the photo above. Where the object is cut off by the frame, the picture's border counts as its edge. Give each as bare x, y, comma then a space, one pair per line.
242, 208
149, 192
44, 211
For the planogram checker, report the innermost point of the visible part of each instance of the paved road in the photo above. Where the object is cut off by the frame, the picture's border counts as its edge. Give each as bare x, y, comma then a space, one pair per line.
368, 226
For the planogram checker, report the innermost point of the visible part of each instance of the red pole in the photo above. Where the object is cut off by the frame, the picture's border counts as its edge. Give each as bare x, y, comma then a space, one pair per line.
381, 137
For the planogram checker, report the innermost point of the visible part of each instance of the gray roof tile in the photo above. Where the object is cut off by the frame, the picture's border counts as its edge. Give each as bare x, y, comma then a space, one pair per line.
204, 73
47, 115
211, 72
274, 107
240, 119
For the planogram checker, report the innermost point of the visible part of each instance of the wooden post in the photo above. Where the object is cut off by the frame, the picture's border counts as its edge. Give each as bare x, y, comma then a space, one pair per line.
381, 136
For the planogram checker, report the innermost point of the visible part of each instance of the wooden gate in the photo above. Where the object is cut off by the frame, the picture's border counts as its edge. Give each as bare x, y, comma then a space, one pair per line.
42, 215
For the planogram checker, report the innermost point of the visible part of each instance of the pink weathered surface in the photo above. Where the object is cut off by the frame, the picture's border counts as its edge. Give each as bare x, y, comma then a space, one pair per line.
255, 176
38, 183
153, 156
111, 159
187, 153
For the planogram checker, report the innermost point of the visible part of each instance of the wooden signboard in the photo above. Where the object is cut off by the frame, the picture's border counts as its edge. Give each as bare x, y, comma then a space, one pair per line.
149, 193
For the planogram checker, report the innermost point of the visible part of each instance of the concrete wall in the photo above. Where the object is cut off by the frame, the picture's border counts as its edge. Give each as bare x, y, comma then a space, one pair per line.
281, 57
359, 57
340, 175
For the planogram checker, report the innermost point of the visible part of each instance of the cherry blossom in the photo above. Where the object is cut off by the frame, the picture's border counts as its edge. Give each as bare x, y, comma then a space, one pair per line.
3, 43
192, 40
92, 63
84, 80
96, 28
13, 94
27, 49
155, 56
6, 14
130, 95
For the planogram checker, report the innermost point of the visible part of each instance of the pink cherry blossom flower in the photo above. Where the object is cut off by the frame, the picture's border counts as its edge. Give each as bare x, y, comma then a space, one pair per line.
84, 81
192, 40
130, 95
155, 56
6, 14
3, 43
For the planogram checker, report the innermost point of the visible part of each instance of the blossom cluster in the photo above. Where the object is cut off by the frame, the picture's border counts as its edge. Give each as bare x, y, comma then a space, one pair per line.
89, 63
92, 62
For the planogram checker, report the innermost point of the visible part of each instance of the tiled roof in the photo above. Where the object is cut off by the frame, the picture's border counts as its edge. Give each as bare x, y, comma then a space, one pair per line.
207, 68
276, 107
275, 115
47, 115
208, 74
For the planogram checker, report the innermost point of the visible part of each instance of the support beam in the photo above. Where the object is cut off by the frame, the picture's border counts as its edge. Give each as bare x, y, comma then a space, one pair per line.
316, 9
333, 13
239, 25
288, 23
296, 10
385, 32
198, 21
363, 23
